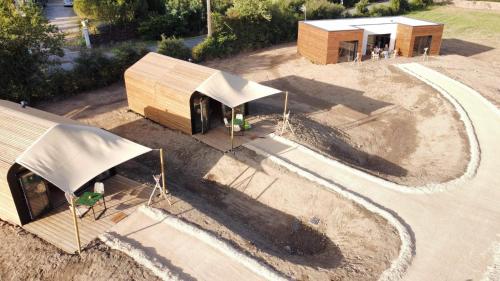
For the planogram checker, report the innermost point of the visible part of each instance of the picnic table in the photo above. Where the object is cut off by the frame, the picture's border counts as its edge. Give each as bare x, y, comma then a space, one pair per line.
89, 199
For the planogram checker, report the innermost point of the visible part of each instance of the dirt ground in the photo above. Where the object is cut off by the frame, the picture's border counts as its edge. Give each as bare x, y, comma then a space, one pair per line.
24, 256
371, 116
297, 227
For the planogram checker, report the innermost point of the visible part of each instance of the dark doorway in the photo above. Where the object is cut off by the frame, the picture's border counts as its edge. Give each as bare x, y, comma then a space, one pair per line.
421, 44
207, 113
379, 40
347, 51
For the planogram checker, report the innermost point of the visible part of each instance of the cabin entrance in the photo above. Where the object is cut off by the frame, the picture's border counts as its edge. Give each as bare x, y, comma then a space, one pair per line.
347, 51
208, 113
422, 45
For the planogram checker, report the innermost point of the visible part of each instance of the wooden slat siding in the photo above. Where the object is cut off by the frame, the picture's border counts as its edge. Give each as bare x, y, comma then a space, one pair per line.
322, 46
334, 39
436, 31
8, 209
122, 196
404, 40
160, 88
406, 34
312, 43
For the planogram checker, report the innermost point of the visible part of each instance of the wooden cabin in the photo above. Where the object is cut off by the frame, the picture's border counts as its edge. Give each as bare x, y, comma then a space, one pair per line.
19, 128
188, 97
161, 88
57, 155
343, 40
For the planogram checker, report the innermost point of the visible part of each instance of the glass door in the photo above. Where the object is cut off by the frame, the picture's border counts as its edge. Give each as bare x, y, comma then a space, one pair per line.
36, 193
347, 50
421, 44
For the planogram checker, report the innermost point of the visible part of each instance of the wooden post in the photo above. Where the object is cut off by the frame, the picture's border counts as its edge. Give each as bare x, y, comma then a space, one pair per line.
209, 19
284, 112
75, 221
232, 128
162, 163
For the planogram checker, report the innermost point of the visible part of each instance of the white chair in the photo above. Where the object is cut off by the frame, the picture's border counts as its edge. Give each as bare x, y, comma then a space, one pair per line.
237, 128
99, 187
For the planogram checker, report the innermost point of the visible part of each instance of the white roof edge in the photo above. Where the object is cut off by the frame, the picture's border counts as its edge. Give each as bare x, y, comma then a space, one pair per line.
358, 23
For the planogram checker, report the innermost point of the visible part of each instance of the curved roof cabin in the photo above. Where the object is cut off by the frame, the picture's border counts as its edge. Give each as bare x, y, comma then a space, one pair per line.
173, 92
43, 156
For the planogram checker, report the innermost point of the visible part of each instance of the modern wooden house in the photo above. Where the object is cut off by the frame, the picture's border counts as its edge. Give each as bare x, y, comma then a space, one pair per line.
332, 41
188, 97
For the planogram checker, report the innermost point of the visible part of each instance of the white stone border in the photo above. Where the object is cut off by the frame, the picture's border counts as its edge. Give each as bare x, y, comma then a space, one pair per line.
258, 268
139, 256
402, 262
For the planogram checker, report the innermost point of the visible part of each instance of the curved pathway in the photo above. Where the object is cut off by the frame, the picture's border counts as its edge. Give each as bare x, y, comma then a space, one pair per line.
454, 231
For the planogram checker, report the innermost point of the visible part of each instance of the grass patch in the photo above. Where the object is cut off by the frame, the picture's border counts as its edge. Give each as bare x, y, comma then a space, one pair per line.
461, 22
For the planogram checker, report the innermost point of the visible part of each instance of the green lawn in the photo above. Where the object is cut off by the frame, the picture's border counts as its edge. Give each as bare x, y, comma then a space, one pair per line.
463, 22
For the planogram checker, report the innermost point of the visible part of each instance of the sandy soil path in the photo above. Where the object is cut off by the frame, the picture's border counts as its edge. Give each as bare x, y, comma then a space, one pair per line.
184, 251
455, 231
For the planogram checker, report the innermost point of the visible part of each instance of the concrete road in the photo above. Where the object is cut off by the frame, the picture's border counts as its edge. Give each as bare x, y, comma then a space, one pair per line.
62, 17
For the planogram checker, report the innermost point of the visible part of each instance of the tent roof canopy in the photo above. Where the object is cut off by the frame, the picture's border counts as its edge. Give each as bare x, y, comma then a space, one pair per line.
233, 90
70, 155
186, 78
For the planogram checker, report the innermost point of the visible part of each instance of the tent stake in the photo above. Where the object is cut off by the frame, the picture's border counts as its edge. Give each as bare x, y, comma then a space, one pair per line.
232, 128
75, 221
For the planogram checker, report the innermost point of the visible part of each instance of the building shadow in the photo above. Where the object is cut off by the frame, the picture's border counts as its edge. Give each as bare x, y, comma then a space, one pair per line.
309, 95
454, 46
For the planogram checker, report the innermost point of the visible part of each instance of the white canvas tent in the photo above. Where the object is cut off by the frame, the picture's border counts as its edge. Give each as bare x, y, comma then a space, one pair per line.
233, 90
70, 155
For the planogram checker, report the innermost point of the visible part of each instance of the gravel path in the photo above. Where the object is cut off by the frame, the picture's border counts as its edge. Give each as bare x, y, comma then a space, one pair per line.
455, 230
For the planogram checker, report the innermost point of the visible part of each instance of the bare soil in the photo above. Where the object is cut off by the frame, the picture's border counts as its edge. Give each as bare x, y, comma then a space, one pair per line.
301, 229
26, 257
371, 116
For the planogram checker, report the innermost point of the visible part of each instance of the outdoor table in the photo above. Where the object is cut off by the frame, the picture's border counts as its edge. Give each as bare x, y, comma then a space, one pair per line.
90, 199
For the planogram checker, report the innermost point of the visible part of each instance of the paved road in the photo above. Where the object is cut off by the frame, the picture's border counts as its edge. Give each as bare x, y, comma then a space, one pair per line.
456, 231
62, 17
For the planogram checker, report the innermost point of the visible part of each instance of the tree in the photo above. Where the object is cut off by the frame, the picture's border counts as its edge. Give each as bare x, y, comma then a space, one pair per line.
27, 41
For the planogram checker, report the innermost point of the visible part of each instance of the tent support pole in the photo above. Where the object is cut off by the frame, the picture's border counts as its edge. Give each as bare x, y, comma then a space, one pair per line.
75, 221
162, 163
232, 128
285, 108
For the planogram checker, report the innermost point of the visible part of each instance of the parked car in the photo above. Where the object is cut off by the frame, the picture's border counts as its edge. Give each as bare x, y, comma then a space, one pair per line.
68, 3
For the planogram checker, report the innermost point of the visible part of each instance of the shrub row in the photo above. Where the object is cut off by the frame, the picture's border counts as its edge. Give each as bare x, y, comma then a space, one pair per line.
92, 69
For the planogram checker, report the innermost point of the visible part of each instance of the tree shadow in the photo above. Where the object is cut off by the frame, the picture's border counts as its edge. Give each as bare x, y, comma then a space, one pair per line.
454, 46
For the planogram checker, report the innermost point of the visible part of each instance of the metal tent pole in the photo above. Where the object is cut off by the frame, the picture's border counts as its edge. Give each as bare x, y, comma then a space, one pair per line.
75, 221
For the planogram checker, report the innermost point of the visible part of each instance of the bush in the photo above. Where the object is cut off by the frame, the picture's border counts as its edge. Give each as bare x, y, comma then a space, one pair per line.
322, 9
126, 55
362, 7
381, 10
217, 46
111, 11
399, 6
93, 69
173, 47
156, 25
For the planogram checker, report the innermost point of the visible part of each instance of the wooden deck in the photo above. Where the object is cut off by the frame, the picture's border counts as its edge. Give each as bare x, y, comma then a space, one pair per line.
220, 137
122, 196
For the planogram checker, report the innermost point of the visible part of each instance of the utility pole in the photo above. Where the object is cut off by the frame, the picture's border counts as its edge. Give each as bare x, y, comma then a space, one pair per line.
209, 18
